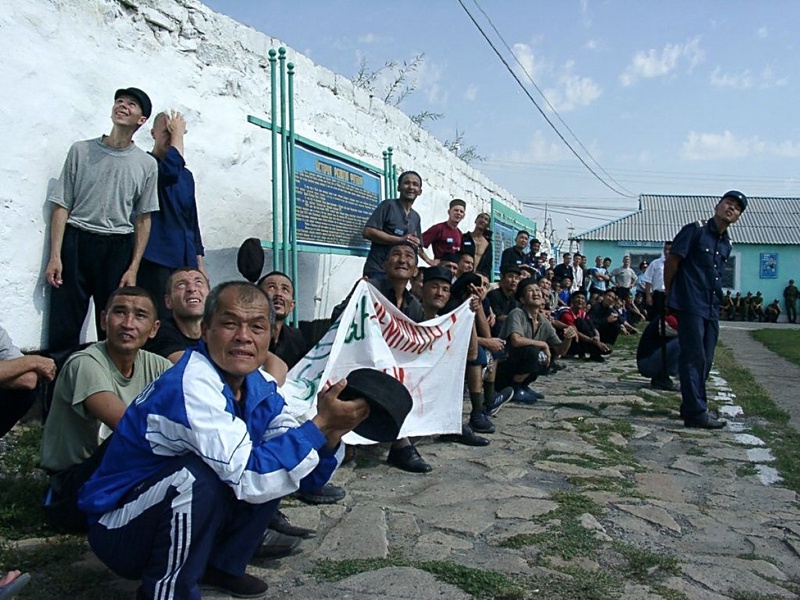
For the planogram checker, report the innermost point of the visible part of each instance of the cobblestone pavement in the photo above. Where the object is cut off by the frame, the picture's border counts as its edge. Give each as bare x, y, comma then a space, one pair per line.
595, 492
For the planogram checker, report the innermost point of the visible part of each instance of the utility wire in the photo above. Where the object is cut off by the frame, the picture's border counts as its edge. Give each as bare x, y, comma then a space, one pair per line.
536, 104
542, 94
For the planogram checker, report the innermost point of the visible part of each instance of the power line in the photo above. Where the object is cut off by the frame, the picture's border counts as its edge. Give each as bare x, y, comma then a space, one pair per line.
539, 108
544, 97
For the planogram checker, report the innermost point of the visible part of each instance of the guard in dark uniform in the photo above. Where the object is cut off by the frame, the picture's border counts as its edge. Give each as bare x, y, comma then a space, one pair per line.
693, 284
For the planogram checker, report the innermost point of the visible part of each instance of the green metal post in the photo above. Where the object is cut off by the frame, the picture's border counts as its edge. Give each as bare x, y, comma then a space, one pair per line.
394, 177
274, 135
392, 182
284, 162
385, 175
292, 192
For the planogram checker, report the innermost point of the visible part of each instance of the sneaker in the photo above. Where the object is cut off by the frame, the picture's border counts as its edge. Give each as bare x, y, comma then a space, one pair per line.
327, 494
280, 523
238, 586
408, 459
504, 396
525, 395
479, 422
277, 545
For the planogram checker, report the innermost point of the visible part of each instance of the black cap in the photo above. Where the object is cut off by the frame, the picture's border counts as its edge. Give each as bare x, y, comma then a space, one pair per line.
250, 259
449, 257
522, 285
389, 403
736, 195
140, 97
437, 272
510, 268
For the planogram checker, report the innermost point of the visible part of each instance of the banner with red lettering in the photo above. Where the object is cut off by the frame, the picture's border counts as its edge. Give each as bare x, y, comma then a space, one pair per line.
429, 358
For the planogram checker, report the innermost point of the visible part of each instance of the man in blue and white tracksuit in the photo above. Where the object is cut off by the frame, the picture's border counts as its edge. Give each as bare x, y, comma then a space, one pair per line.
195, 468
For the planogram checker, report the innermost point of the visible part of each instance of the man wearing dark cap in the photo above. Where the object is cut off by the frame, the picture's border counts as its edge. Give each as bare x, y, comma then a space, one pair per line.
445, 237
100, 221
392, 222
693, 285
515, 255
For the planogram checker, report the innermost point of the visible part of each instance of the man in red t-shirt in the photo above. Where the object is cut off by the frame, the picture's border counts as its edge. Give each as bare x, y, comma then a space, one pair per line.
445, 237
588, 340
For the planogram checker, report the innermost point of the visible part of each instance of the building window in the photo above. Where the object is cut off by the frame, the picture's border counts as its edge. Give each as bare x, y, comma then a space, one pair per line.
729, 275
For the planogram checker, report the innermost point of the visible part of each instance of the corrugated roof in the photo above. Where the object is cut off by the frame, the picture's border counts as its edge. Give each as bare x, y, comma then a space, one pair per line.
767, 220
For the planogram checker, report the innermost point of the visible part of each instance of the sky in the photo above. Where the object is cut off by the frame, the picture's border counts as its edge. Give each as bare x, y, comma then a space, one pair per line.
658, 97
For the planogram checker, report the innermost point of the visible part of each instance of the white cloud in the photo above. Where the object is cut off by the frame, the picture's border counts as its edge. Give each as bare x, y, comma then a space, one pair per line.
586, 18
592, 45
572, 90
471, 93
652, 63
746, 80
526, 58
726, 145
539, 151
368, 38
427, 78
762, 32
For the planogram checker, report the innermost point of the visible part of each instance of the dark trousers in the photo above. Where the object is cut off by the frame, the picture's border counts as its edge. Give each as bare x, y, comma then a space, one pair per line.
609, 332
791, 310
655, 311
520, 361
698, 341
153, 277
92, 268
175, 523
579, 348
13, 406
653, 366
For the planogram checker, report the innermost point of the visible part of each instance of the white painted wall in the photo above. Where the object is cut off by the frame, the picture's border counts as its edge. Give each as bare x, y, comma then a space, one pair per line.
62, 61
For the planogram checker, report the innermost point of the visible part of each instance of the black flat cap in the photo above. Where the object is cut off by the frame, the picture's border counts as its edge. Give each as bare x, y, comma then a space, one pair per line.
389, 403
250, 259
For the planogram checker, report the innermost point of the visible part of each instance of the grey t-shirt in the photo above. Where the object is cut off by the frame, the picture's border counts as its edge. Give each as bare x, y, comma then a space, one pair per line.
390, 217
71, 432
622, 277
105, 189
8, 350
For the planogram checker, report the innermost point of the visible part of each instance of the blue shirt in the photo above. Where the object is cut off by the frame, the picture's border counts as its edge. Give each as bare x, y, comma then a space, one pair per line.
175, 239
697, 286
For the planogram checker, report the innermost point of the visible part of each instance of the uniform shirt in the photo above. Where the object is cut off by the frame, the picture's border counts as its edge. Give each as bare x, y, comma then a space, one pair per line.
445, 239
512, 256
562, 270
411, 306
390, 217
72, 433
253, 445
175, 239
290, 346
170, 339
697, 286
104, 188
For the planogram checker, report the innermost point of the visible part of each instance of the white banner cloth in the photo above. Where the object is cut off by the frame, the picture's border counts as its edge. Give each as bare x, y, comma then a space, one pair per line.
428, 358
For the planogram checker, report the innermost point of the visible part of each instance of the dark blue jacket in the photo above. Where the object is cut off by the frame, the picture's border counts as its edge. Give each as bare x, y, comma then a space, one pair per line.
175, 239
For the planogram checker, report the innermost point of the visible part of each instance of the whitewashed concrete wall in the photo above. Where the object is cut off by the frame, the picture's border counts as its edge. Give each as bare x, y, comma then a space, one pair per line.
62, 61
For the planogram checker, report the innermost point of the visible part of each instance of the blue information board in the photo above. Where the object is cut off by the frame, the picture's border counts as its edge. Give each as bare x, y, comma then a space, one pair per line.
334, 199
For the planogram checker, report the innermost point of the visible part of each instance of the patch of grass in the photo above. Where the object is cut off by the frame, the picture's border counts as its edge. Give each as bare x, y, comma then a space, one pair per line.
746, 470
643, 565
478, 583
785, 342
774, 429
579, 406
568, 540
668, 593
22, 484
695, 451
744, 595
603, 484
